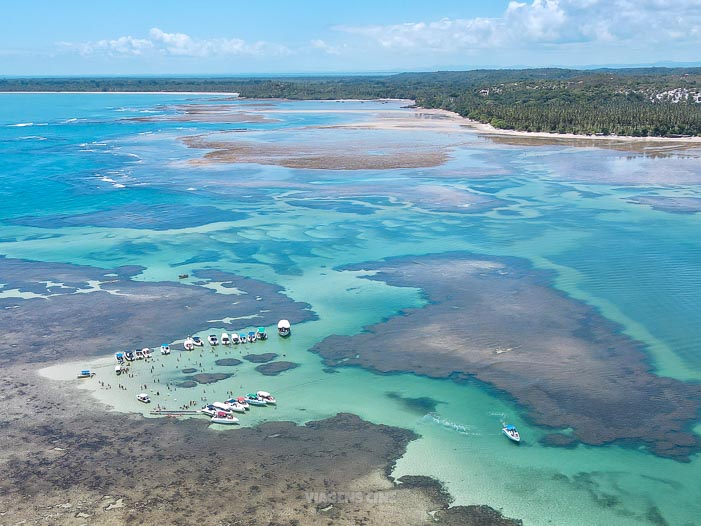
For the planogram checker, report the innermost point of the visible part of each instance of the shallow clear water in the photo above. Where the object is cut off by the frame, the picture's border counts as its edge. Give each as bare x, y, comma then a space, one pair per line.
564, 209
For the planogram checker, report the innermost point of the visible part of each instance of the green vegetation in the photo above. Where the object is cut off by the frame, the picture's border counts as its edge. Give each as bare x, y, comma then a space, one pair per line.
638, 102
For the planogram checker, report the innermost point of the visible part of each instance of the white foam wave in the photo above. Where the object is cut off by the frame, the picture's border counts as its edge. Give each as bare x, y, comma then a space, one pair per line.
20, 125
463, 429
32, 138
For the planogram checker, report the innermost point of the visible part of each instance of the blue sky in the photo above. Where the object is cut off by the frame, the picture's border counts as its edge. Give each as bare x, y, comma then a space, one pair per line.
71, 37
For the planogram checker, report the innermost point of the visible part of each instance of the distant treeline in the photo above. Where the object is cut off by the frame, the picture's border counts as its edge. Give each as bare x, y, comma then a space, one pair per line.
638, 102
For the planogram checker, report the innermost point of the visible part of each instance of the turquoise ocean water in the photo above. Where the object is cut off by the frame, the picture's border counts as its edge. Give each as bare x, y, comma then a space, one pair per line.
77, 174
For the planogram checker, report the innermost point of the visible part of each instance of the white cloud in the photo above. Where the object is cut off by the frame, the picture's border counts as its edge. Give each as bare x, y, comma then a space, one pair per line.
546, 22
175, 44
325, 47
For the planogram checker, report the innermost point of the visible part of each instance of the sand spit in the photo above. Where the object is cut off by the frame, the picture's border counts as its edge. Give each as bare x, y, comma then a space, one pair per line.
501, 322
71, 463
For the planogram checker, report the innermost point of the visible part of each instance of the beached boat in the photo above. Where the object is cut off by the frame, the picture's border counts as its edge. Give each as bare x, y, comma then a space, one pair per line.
251, 337
209, 410
165, 349
224, 418
242, 338
213, 340
197, 341
119, 356
129, 356
143, 397
225, 339
511, 433
235, 339
283, 328
242, 401
86, 374
253, 399
139, 354
237, 406
267, 397
147, 352
189, 344
261, 334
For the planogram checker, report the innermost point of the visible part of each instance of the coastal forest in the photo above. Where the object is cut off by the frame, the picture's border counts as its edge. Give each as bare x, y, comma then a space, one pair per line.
660, 102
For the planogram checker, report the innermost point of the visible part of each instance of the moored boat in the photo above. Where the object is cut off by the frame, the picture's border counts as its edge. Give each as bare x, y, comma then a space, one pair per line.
237, 406
119, 356
261, 334
235, 338
225, 339
85, 373
119, 369
511, 433
283, 328
143, 397
139, 354
266, 397
242, 401
213, 340
129, 356
147, 352
189, 344
251, 337
223, 418
254, 399
197, 341
242, 338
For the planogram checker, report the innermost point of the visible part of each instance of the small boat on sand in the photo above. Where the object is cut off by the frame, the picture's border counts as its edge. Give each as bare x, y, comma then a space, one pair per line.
147, 352
143, 397
85, 373
213, 340
267, 397
235, 338
223, 418
225, 339
242, 402
283, 328
129, 356
119, 356
511, 433
165, 349
261, 334
197, 341
242, 338
189, 344
139, 354
251, 337
254, 399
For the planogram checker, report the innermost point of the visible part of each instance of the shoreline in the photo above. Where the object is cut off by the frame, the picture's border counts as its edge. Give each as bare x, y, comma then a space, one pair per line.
479, 127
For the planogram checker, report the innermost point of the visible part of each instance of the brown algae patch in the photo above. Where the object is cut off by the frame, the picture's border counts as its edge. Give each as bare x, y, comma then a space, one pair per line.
275, 368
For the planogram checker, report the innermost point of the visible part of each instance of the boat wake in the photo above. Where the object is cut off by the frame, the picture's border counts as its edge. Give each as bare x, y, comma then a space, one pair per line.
463, 429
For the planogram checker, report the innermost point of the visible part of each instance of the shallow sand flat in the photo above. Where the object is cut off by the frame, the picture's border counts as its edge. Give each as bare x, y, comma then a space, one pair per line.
305, 152
501, 322
67, 461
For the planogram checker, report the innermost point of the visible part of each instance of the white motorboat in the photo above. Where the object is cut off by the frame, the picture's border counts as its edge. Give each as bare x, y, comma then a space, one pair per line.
252, 337
235, 338
209, 410
242, 338
225, 339
237, 406
119, 369
139, 354
85, 373
189, 344
129, 356
146, 352
143, 397
266, 397
241, 400
197, 341
511, 433
213, 340
119, 356
283, 328
224, 418
261, 334
254, 399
